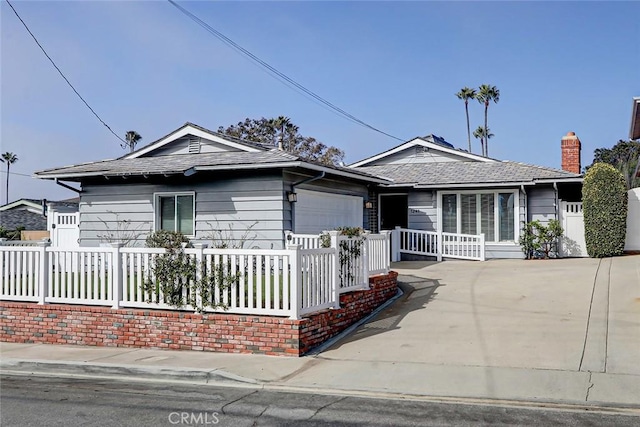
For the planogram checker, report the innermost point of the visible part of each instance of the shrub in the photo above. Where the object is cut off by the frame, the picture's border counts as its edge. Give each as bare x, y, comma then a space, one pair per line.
538, 240
604, 198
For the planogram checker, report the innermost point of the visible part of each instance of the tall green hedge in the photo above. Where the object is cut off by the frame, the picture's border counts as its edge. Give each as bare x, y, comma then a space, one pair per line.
604, 198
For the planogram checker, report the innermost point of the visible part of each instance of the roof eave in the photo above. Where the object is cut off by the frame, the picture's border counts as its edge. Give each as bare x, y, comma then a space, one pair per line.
634, 131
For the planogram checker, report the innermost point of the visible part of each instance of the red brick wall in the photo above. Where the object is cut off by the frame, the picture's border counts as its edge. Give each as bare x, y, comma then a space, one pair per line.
230, 333
570, 146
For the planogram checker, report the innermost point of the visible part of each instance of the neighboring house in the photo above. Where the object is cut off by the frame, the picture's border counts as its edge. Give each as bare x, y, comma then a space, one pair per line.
437, 187
34, 216
27, 213
208, 185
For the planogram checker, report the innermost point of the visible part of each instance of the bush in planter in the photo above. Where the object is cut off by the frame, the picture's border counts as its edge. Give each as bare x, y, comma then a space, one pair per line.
604, 201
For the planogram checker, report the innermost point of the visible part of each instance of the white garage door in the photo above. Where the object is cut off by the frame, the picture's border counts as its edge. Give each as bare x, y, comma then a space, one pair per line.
316, 212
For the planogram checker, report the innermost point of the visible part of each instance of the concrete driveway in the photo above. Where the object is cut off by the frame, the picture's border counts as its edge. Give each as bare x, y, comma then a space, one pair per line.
569, 314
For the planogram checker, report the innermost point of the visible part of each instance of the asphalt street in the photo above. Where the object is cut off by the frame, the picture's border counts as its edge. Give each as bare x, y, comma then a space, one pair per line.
52, 401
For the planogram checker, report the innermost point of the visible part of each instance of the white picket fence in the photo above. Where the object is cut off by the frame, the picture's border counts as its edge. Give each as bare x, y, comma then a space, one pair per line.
437, 244
372, 255
290, 282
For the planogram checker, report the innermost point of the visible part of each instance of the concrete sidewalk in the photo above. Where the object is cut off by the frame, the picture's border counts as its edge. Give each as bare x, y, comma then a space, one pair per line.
577, 344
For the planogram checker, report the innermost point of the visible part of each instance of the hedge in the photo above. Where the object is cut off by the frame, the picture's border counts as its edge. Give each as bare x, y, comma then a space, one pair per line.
604, 199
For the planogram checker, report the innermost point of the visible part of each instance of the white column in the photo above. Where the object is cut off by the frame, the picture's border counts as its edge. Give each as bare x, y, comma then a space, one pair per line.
296, 280
43, 271
116, 274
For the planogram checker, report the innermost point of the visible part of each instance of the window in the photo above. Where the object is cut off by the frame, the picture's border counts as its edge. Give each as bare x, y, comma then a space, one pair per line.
490, 213
175, 212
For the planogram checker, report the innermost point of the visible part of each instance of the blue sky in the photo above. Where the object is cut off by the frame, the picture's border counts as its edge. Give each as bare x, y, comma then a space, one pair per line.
570, 66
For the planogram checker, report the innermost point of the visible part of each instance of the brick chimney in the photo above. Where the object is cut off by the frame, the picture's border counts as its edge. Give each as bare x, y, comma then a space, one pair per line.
571, 153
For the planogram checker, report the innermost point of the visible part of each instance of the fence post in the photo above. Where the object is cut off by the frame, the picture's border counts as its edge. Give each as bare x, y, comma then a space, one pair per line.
334, 236
295, 270
365, 260
116, 280
386, 250
395, 244
43, 271
199, 247
439, 246
482, 247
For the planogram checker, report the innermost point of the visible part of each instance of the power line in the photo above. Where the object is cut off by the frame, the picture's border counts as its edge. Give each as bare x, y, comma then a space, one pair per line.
16, 173
272, 71
63, 76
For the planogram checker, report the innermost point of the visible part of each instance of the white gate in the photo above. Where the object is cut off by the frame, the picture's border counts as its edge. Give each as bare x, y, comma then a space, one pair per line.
572, 243
64, 229
633, 221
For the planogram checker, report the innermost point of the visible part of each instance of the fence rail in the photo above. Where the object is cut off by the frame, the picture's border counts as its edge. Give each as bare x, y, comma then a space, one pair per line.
437, 244
290, 282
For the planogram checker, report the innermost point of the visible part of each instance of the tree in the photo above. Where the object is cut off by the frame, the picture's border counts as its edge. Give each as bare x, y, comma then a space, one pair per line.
9, 159
486, 94
479, 133
466, 94
624, 156
605, 204
132, 138
281, 133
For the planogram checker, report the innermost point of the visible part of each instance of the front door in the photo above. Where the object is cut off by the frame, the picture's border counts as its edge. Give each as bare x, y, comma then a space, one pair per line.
394, 211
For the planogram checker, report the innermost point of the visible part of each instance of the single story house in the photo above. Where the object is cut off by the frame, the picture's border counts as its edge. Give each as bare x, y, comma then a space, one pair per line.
208, 185
437, 187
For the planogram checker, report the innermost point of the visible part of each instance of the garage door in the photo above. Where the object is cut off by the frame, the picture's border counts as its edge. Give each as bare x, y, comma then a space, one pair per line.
316, 211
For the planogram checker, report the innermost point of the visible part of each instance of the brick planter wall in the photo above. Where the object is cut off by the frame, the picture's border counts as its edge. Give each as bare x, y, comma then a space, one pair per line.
231, 333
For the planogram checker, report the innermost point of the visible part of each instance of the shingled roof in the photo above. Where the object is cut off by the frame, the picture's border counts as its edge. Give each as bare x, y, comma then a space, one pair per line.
183, 163
451, 174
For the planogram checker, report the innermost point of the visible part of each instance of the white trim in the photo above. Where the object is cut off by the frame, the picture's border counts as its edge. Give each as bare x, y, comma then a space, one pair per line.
423, 143
473, 185
496, 235
21, 202
189, 130
156, 212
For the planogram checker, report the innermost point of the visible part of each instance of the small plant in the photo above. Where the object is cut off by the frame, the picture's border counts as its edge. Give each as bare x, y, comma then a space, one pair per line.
538, 240
11, 234
180, 279
225, 239
349, 250
124, 231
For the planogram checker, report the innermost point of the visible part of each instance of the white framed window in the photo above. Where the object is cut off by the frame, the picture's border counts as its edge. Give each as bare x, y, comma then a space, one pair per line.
492, 213
175, 212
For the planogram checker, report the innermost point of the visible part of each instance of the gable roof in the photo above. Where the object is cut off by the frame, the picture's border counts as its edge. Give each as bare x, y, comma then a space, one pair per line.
469, 174
188, 164
431, 142
195, 130
28, 203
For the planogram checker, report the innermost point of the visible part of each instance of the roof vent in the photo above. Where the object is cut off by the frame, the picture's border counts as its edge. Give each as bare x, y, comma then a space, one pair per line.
194, 144
421, 151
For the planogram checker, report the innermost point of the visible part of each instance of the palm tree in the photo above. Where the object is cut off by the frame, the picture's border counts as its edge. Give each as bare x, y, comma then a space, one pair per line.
8, 158
283, 125
486, 94
480, 134
466, 94
132, 138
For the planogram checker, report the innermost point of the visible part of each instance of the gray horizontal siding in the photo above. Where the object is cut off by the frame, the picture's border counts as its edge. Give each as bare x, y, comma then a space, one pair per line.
181, 146
503, 251
423, 212
232, 208
409, 156
541, 204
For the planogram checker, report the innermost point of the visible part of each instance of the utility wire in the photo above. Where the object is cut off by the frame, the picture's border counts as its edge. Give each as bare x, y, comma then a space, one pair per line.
15, 173
64, 77
276, 73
